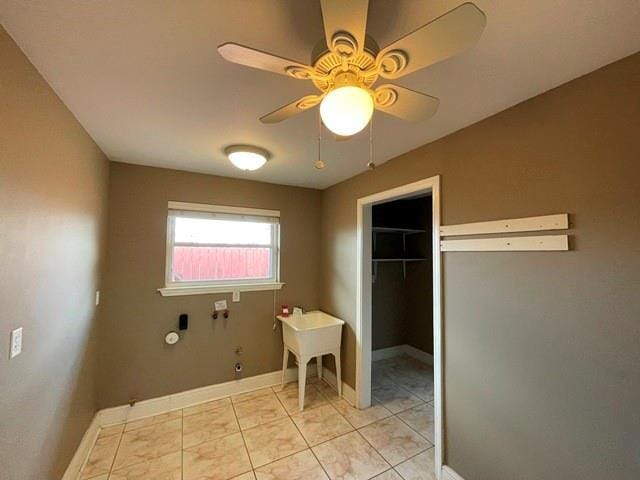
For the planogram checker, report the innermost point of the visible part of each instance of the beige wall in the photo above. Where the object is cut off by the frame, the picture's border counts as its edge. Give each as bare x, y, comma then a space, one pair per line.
53, 185
542, 376
541, 349
135, 362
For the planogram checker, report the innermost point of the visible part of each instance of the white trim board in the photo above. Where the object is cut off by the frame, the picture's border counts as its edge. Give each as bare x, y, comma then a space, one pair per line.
203, 207
388, 352
81, 454
449, 473
508, 244
362, 325
399, 350
348, 393
156, 406
529, 224
203, 289
188, 398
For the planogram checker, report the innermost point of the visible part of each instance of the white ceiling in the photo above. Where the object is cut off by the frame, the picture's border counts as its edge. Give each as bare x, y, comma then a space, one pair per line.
145, 80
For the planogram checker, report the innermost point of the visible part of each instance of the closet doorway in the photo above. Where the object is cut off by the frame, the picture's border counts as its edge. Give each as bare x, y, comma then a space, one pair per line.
398, 318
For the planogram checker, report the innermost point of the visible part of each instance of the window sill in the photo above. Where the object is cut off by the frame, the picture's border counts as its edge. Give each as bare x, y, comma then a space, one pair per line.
203, 289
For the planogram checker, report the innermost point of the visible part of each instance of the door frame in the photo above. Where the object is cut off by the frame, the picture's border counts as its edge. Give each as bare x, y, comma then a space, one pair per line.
363, 299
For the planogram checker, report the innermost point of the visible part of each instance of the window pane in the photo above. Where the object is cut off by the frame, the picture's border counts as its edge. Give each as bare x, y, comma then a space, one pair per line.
207, 231
221, 263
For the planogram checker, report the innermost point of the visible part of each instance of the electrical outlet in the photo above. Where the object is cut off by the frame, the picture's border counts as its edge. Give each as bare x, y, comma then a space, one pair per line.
235, 296
16, 342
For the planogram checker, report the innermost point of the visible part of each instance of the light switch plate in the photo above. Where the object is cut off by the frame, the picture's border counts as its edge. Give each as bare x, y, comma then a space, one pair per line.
97, 297
235, 296
16, 342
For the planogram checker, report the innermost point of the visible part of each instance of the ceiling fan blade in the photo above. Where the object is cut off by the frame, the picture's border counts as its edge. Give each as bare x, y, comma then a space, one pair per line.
444, 37
404, 103
348, 16
251, 57
291, 109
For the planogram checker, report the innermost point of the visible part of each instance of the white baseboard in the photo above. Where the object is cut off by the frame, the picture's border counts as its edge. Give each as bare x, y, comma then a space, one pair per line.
449, 473
176, 401
156, 406
83, 450
418, 354
389, 352
398, 350
348, 393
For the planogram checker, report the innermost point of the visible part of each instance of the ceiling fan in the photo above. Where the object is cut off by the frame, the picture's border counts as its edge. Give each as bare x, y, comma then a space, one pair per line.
347, 63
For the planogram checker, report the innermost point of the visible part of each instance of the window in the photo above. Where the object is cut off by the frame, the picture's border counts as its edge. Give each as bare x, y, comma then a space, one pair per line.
216, 249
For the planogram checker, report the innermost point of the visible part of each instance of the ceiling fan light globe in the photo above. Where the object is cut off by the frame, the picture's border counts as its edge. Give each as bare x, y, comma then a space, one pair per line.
346, 110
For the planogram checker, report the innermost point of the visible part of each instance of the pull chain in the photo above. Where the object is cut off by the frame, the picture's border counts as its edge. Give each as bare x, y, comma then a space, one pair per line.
371, 163
319, 163
275, 320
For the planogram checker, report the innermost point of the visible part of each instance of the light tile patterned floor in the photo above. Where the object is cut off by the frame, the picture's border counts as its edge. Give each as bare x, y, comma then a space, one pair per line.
261, 435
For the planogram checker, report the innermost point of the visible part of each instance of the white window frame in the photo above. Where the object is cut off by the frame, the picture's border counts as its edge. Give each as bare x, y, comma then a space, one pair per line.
172, 288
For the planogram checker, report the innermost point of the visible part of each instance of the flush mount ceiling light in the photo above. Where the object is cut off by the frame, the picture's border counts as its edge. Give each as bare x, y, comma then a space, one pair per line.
347, 51
247, 157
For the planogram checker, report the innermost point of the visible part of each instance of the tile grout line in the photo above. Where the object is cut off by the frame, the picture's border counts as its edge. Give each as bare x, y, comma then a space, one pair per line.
410, 458
374, 448
140, 428
393, 467
305, 440
244, 441
272, 421
412, 428
396, 415
287, 415
291, 419
113, 461
358, 431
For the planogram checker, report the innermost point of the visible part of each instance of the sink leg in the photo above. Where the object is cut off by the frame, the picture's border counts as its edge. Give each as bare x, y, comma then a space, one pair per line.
319, 364
285, 361
336, 355
302, 380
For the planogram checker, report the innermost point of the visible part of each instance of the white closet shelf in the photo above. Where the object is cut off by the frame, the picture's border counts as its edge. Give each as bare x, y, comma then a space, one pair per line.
398, 259
397, 230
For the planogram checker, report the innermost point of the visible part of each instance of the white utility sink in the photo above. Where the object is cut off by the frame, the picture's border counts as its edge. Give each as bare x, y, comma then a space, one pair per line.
309, 335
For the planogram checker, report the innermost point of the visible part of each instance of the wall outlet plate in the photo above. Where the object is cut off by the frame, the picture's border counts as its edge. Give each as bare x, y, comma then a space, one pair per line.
220, 305
235, 297
16, 342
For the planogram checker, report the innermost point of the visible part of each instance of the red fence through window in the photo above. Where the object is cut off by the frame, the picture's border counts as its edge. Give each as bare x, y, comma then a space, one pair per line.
220, 263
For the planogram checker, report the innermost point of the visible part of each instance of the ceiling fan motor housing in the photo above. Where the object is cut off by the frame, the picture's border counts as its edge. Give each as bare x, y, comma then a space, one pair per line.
331, 66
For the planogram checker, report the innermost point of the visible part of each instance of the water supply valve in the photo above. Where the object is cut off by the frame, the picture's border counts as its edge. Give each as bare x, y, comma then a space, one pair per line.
220, 307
